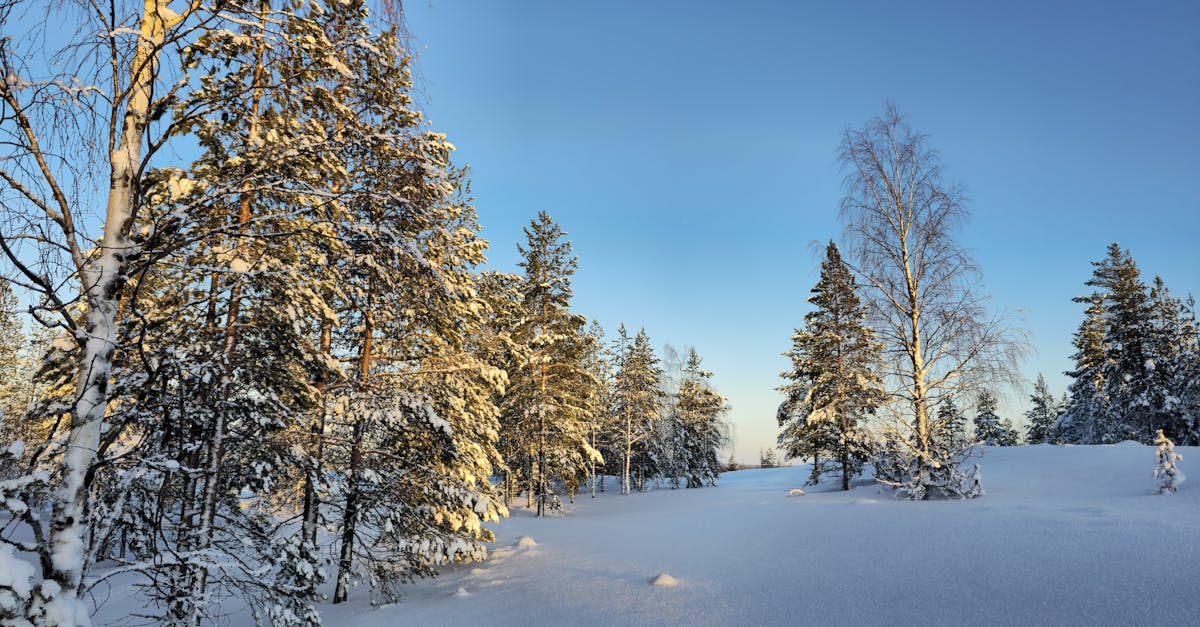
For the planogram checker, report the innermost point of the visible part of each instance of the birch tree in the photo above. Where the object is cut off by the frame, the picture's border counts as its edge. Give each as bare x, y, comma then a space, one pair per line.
923, 287
70, 133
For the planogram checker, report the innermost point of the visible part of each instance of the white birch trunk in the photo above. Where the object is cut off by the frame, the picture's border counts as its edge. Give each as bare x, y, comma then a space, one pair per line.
102, 277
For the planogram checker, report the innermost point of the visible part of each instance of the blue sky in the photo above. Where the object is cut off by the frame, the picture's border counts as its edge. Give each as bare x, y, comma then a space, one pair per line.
688, 148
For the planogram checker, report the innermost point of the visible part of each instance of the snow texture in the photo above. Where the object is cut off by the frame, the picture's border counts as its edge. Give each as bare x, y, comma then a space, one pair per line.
1066, 535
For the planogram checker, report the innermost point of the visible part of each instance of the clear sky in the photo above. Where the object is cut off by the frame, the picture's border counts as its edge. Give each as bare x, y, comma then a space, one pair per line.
688, 148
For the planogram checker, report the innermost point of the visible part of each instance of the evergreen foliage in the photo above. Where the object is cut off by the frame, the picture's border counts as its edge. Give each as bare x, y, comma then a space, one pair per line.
950, 427
700, 408
637, 403
1042, 416
988, 428
547, 407
834, 382
1135, 362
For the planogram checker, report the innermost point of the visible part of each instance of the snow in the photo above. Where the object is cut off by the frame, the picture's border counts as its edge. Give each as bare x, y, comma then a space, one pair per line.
664, 580
15, 580
1066, 535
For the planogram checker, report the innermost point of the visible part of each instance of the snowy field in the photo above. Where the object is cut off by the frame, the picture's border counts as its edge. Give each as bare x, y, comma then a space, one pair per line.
1064, 536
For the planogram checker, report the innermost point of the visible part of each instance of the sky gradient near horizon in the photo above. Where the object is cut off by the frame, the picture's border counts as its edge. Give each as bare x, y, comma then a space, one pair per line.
689, 150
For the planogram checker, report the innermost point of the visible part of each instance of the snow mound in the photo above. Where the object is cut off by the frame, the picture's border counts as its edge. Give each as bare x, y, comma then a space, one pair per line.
462, 593
15, 575
795, 492
526, 541
664, 580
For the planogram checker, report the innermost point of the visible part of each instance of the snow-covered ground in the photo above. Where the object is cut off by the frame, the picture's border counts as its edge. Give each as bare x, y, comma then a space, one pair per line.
1064, 536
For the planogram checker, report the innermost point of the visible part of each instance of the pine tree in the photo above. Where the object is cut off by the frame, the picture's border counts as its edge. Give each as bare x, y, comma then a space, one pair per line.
546, 408
1042, 415
418, 415
834, 381
670, 427
767, 458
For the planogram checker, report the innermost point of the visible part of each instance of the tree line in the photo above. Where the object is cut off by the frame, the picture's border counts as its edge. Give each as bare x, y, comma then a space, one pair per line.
279, 363
900, 337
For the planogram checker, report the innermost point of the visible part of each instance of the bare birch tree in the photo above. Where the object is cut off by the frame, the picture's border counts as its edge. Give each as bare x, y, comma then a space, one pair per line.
102, 96
924, 289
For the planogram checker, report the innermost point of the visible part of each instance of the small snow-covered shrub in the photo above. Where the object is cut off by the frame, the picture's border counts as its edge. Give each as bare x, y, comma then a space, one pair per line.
1167, 472
940, 475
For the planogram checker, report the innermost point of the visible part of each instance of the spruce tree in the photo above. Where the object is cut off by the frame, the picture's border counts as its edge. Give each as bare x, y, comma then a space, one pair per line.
1187, 374
1134, 401
1131, 349
1009, 434
1042, 415
1085, 395
700, 408
834, 382
1175, 361
950, 427
988, 428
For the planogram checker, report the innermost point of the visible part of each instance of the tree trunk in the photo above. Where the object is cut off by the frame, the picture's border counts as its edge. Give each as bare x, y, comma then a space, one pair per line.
845, 468
312, 501
350, 515
103, 279
625, 487
216, 445
350, 518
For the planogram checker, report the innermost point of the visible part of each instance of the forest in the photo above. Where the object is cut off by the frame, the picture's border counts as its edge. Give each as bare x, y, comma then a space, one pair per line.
281, 362
250, 344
